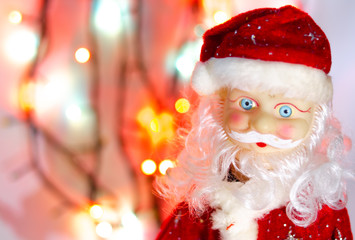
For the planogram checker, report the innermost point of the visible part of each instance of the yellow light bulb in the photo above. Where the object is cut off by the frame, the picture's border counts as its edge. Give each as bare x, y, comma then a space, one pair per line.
154, 125
15, 17
82, 55
148, 167
27, 96
182, 105
96, 211
165, 165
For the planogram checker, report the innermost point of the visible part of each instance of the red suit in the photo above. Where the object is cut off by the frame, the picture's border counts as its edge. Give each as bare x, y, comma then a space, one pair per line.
330, 225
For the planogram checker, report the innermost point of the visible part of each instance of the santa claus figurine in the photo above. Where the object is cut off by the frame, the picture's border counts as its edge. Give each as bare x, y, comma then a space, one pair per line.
263, 157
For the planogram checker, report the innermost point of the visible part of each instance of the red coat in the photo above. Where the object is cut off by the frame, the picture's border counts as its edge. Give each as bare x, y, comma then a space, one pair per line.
330, 225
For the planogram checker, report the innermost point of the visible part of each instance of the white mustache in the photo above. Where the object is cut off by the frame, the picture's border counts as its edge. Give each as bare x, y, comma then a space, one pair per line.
269, 139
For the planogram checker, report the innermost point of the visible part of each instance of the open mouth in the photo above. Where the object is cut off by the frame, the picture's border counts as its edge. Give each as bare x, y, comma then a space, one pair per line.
261, 144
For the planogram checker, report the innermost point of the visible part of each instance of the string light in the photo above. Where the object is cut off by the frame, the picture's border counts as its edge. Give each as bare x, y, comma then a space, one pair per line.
154, 125
165, 127
159, 127
27, 96
104, 229
148, 167
165, 165
220, 17
82, 55
15, 17
96, 211
182, 105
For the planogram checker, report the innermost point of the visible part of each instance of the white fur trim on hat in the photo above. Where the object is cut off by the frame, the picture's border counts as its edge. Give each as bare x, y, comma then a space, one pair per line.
292, 80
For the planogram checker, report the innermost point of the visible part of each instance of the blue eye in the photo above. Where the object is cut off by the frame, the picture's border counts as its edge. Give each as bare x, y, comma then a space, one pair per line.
247, 104
285, 111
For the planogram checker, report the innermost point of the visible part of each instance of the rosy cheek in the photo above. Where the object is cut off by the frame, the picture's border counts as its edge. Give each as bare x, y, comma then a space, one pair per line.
235, 118
238, 121
286, 131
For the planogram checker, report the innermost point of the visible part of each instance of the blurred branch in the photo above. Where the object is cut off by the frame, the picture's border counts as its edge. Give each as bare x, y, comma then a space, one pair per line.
95, 104
139, 55
121, 103
43, 32
74, 159
34, 148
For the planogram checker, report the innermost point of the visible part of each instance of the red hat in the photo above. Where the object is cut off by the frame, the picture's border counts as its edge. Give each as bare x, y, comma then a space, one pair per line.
282, 51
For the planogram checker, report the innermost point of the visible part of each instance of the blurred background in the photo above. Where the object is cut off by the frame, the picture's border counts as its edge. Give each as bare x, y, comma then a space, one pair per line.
92, 92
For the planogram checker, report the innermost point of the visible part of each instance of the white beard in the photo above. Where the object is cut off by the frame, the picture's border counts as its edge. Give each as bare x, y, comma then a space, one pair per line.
239, 205
271, 175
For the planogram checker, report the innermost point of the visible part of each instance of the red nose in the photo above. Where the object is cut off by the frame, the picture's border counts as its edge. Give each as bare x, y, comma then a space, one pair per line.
261, 144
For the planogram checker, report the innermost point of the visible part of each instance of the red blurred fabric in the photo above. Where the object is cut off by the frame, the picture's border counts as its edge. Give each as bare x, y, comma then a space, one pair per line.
330, 225
286, 34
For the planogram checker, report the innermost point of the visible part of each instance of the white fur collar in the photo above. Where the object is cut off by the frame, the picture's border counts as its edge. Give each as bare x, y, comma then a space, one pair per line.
232, 218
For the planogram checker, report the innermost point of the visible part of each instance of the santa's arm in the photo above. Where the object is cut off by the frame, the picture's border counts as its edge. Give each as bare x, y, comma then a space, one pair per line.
185, 226
177, 225
342, 229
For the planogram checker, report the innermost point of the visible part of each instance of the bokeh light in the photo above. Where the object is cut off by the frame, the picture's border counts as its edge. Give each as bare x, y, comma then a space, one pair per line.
74, 113
154, 125
107, 17
187, 58
130, 220
145, 116
104, 229
21, 45
27, 96
15, 17
53, 90
165, 165
148, 167
220, 17
182, 105
96, 211
132, 227
82, 55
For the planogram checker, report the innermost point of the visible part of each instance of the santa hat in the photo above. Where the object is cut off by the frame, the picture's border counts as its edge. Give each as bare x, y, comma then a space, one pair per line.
281, 51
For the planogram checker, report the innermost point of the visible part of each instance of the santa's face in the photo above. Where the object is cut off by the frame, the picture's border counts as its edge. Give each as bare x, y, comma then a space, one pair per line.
267, 123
